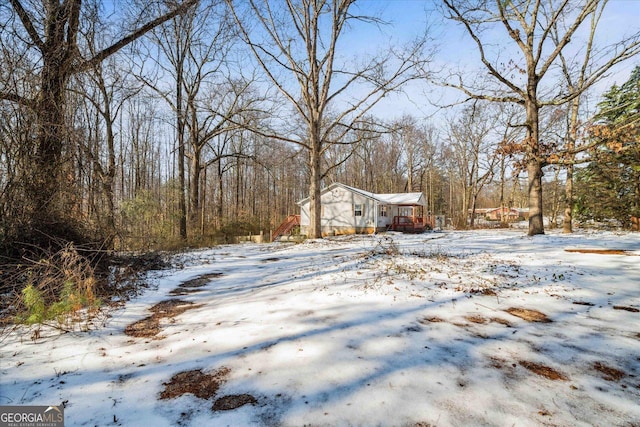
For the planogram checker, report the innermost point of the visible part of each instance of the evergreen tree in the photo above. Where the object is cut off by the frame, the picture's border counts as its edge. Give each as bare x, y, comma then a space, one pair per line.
609, 187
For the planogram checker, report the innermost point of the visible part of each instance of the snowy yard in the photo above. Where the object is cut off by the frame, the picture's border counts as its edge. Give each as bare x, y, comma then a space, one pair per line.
438, 329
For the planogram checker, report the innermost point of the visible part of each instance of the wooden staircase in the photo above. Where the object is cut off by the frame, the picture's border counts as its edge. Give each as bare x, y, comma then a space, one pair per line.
287, 225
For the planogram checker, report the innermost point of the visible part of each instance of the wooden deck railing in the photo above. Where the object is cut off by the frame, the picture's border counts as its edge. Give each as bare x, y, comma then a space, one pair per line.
408, 224
287, 225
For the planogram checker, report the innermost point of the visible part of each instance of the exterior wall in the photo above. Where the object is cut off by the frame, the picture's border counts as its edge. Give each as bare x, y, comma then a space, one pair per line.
384, 221
338, 213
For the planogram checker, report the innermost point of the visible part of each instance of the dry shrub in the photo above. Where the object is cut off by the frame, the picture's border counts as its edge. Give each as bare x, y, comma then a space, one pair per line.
386, 246
56, 287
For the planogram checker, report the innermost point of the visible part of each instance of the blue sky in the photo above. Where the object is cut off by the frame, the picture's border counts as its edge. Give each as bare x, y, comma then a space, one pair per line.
408, 18
456, 49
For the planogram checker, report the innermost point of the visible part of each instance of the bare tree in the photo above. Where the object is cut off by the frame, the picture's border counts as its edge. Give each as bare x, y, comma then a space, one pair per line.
530, 26
295, 43
106, 88
475, 154
580, 73
50, 35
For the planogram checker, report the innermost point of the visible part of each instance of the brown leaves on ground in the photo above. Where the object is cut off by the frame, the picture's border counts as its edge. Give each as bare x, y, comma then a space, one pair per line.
600, 251
150, 326
205, 386
233, 401
625, 308
193, 285
528, 314
430, 319
196, 382
610, 374
543, 371
170, 307
145, 328
476, 319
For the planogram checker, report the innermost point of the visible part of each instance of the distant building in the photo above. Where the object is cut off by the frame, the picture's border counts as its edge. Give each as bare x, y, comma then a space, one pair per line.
503, 214
348, 210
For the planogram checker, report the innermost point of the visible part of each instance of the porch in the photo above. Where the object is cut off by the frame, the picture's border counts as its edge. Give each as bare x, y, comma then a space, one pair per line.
411, 219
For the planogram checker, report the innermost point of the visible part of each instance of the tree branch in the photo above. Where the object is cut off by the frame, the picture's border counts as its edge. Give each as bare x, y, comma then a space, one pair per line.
12, 97
465, 22
28, 25
103, 54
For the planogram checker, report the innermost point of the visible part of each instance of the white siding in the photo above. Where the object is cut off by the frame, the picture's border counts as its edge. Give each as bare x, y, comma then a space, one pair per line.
338, 203
338, 210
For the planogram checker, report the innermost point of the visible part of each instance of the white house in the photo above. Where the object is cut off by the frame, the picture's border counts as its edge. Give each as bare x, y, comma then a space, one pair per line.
348, 210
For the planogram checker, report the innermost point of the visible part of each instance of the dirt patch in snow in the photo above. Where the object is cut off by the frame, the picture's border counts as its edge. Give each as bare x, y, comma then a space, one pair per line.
180, 292
233, 401
477, 319
483, 291
501, 321
625, 308
171, 307
528, 314
145, 328
610, 374
149, 327
600, 251
193, 285
196, 382
430, 319
543, 371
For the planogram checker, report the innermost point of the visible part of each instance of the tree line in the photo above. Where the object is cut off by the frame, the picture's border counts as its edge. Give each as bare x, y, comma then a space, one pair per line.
170, 123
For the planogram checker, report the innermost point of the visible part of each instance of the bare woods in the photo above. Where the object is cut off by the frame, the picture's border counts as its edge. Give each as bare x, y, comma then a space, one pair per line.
164, 124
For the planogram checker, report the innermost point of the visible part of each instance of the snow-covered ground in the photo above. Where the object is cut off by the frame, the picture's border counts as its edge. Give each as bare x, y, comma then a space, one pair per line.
452, 328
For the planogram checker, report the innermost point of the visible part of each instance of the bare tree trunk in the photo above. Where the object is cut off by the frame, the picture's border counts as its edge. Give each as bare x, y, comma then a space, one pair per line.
219, 208
534, 162
536, 223
315, 205
180, 128
555, 200
474, 200
194, 190
43, 190
108, 177
502, 173
567, 222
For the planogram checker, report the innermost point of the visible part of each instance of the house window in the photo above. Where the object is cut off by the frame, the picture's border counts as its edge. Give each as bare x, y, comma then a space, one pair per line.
358, 209
383, 210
